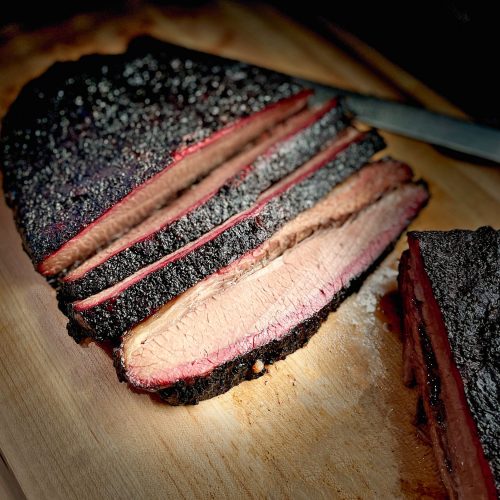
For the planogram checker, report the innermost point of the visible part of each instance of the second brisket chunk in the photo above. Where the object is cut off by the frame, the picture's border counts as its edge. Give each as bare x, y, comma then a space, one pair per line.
450, 287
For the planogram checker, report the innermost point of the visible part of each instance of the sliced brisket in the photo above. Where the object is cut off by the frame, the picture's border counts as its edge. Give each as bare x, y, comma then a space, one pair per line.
229, 326
115, 310
92, 147
450, 286
212, 202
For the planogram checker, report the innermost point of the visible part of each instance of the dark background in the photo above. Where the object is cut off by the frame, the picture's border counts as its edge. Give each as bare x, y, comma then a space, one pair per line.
452, 46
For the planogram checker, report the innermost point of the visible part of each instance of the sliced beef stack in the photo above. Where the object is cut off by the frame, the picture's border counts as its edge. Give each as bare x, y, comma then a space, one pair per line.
92, 147
110, 313
450, 285
215, 201
268, 303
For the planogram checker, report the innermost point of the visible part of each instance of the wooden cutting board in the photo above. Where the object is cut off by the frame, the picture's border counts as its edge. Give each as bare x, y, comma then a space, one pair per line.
331, 421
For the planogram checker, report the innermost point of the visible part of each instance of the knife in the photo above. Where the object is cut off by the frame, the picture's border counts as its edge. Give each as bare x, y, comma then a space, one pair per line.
417, 123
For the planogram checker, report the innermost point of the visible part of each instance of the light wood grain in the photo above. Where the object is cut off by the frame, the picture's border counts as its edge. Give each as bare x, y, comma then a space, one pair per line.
333, 420
9, 487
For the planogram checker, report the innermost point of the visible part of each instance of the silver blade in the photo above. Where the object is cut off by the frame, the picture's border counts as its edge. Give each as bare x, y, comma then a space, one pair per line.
418, 123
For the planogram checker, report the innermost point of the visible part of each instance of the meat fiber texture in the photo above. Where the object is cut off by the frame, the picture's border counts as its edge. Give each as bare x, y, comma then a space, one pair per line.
237, 193
280, 304
110, 313
87, 134
463, 269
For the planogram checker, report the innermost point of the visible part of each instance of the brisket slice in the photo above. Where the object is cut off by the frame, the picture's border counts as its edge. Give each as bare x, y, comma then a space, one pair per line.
92, 147
227, 328
115, 310
210, 205
450, 286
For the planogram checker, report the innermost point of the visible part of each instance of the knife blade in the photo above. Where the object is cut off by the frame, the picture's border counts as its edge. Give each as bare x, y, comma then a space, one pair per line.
417, 123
